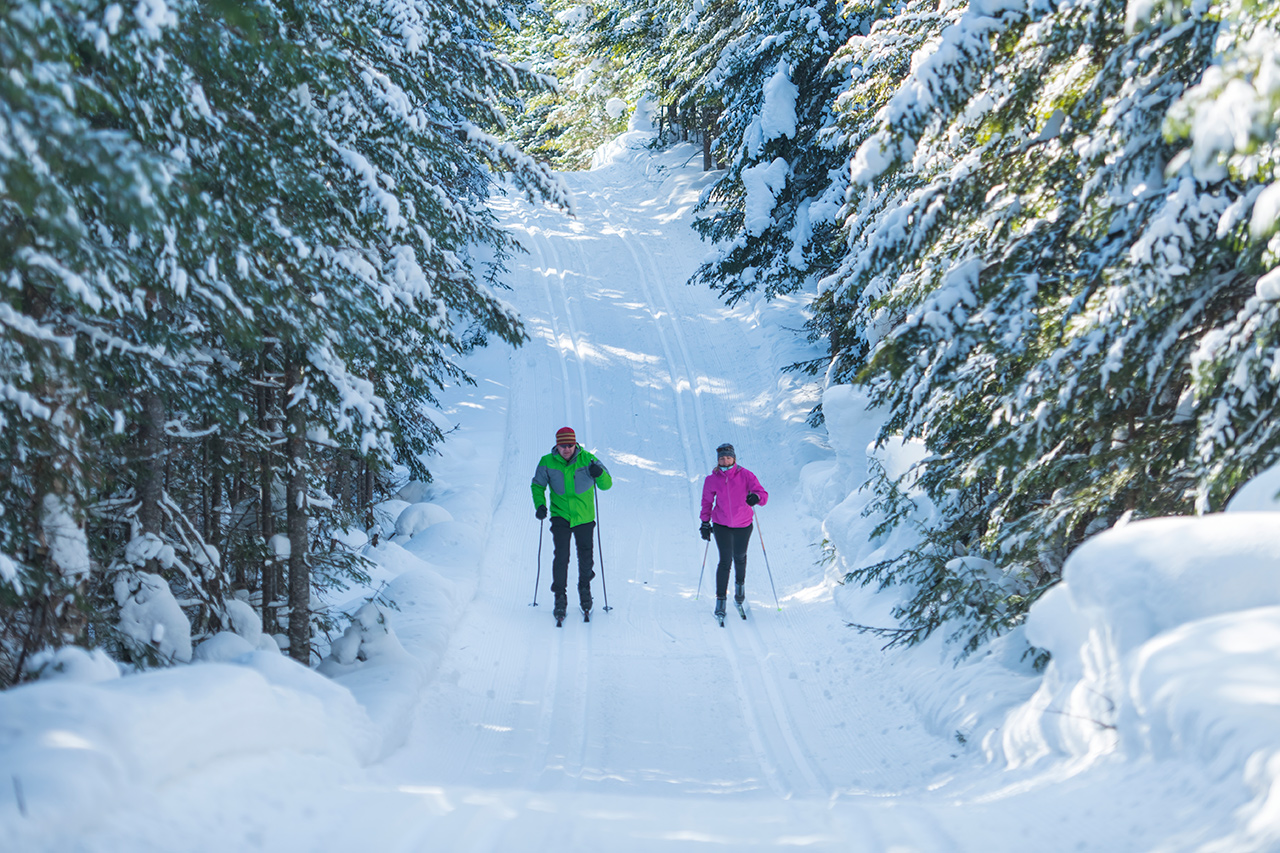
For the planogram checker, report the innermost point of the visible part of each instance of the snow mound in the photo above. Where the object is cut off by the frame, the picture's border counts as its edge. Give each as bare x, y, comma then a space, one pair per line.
1261, 494
419, 516
415, 491
385, 515
72, 663
245, 621
223, 647
86, 750
630, 147
450, 543
151, 617
351, 539
1165, 637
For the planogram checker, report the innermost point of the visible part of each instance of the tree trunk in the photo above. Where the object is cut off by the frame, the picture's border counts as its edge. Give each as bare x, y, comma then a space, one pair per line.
297, 511
150, 472
367, 484
266, 473
707, 123
213, 517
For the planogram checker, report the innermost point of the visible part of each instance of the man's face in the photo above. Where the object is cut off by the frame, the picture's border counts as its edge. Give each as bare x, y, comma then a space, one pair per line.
565, 450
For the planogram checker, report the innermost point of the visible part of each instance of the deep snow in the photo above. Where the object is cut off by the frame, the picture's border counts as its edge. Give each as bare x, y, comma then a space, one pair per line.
461, 719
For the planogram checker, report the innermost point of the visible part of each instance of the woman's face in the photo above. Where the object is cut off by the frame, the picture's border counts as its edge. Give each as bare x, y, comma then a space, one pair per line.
726, 461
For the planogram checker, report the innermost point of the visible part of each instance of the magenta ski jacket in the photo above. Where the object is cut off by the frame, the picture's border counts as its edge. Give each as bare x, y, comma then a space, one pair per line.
724, 496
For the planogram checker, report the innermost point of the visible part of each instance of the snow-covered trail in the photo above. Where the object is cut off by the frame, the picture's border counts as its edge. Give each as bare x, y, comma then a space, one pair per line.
485, 728
750, 732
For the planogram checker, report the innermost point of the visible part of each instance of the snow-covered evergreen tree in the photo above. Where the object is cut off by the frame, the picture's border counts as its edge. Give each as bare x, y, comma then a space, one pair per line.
773, 213
75, 192
1030, 275
242, 255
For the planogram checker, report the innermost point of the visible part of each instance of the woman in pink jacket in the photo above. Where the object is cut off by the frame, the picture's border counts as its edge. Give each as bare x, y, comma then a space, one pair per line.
729, 495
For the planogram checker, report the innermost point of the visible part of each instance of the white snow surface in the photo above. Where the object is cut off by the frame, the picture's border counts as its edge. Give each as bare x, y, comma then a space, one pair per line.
459, 718
763, 183
778, 113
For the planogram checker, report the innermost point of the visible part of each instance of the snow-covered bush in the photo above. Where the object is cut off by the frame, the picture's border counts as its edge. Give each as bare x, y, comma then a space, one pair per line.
151, 621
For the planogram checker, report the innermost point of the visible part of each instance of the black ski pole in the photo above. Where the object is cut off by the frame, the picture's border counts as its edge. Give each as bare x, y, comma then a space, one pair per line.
542, 525
756, 519
603, 584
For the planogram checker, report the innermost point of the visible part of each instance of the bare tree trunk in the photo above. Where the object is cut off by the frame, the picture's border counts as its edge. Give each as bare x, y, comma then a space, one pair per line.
297, 512
266, 473
150, 472
213, 515
366, 499
707, 123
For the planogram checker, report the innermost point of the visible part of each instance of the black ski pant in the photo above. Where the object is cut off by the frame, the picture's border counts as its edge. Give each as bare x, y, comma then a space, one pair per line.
561, 533
731, 542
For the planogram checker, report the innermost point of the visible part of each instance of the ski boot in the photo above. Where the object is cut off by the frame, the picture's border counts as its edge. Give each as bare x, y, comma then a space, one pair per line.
738, 598
720, 610
562, 607
584, 599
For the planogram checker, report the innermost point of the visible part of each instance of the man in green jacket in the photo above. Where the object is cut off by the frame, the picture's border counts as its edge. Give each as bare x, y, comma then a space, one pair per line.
572, 473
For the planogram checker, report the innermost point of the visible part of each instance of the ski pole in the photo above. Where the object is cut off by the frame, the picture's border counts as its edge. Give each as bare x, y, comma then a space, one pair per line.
603, 584
704, 568
756, 519
542, 525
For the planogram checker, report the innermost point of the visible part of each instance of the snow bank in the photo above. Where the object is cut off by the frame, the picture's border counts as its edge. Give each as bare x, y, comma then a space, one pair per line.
72, 752
1164, 636
83, 744
838, 492
1261, 494
418, 517
1127, 597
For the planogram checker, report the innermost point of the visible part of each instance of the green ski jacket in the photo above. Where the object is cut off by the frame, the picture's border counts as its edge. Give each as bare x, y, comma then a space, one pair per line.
570, 484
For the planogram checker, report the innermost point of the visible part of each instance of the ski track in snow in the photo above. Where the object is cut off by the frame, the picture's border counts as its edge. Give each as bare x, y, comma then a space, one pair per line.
581, 736
651, 727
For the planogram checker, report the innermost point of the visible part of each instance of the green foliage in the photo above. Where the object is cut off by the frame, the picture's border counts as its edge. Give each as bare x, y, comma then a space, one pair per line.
196, 199
586, 54
1029, 292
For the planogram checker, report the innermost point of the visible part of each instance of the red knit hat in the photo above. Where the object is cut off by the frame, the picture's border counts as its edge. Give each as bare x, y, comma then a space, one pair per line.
565, 435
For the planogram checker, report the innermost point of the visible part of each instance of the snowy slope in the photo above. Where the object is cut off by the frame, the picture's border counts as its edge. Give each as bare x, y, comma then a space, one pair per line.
478, 725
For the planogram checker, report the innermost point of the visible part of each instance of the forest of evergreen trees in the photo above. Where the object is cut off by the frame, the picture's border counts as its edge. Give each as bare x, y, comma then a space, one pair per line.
1042, 232
243, 242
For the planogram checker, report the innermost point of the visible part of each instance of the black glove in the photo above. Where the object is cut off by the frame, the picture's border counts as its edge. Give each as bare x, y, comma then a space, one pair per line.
541, 512
595, 469
752, 499
705, 530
